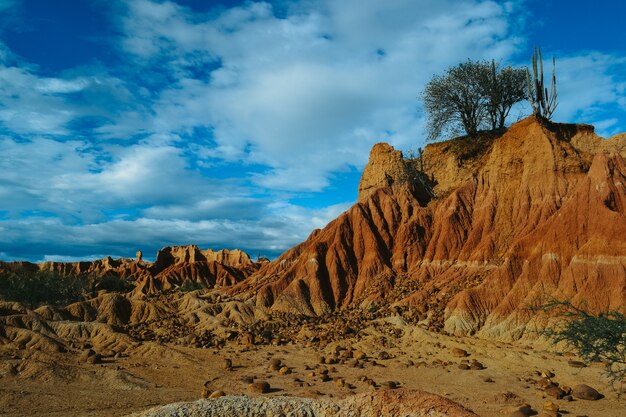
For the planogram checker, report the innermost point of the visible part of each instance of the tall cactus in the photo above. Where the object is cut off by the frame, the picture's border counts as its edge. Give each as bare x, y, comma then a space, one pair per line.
542, 101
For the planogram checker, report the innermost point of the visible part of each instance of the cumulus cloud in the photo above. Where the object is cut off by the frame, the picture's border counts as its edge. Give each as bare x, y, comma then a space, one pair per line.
589, 84
208, 127
308, 94
269, 233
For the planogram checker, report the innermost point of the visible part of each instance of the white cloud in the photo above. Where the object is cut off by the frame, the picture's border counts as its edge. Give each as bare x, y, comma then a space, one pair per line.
587, 84
309, 94
281, 227
289, 102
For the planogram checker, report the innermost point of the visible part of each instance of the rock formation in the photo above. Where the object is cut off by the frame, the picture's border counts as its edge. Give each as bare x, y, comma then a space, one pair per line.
493, 226
538, 212
385, 168
174, 266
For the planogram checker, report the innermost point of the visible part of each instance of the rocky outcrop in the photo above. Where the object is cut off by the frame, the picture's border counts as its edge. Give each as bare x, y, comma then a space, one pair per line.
385, 168
174, 266
382, 403
494, 225
537, 212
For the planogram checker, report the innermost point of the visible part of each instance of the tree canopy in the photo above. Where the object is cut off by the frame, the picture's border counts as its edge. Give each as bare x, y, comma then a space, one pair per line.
471, 96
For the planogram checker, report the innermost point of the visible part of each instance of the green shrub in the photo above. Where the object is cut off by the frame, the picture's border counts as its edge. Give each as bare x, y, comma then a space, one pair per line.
595, 337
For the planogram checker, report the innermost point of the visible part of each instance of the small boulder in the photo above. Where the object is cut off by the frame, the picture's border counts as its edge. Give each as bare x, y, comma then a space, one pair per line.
261, 387
217, 394
94, 359
585, 392
384, 355
359, 355
459, 353
554, 391
576, 364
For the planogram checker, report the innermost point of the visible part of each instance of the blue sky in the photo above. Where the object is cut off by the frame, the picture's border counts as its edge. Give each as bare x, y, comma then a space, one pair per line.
137, 124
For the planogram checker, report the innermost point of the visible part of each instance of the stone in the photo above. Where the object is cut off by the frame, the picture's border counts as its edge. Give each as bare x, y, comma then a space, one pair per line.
217, 394
260, 387
94, 359
275, 364
384, 355
459, 353
359, 355
585, 392
554, 391
227, 364
386, 167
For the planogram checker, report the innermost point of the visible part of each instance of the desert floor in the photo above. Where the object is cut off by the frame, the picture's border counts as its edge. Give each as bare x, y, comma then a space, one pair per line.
35, 383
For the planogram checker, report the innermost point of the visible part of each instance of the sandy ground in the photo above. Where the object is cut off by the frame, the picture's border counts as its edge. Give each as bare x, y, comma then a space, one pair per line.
34, 383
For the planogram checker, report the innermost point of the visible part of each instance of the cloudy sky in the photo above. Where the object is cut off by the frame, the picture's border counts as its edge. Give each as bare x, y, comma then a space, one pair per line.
135, 124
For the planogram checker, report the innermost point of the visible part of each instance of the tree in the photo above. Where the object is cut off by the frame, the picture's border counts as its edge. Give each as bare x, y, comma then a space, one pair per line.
541, 100
455, 100
503, 88
471, 96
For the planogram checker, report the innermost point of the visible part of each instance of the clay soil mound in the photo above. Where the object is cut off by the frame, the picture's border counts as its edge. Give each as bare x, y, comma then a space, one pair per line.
388, 403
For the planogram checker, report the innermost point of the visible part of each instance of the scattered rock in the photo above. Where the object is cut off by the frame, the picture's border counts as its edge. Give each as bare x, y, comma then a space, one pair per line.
554, 391
261, 387
94, 359
217, 394
390, 384
576, 364
227, 364
86, 354
523, 411
459, 353
585, 392
275, 364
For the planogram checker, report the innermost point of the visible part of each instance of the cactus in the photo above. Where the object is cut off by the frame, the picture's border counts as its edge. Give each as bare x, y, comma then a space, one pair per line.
542, 101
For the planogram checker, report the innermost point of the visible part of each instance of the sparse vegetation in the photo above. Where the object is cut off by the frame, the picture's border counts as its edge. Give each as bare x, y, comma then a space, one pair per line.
595, 337
472, 96
542, 101
35, 288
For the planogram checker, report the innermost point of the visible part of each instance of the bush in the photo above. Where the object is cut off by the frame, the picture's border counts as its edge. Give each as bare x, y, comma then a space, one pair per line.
35, 288
595, 337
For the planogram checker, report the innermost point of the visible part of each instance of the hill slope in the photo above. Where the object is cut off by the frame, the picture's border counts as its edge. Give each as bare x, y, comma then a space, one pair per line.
538, 212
